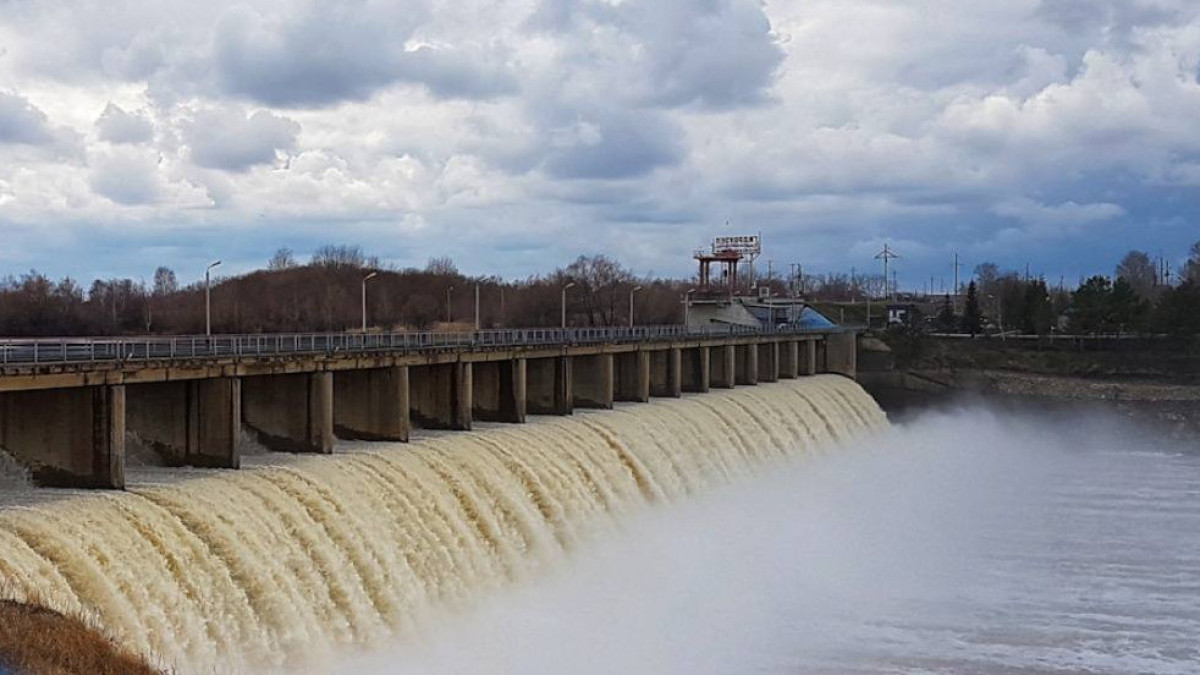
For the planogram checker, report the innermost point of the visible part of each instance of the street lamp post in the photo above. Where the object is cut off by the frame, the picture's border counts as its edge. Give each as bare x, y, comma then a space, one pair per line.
367, 278
633, 290
449, 316
477, 308
564, 302
687, 306
208, 298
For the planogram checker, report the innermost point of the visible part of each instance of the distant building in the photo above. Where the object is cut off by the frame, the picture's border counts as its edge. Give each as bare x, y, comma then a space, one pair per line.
755, 313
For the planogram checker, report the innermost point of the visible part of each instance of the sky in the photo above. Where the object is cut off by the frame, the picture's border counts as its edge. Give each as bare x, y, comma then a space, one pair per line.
514, 136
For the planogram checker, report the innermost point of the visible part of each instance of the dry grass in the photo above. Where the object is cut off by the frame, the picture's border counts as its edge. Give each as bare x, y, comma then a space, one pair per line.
39, 641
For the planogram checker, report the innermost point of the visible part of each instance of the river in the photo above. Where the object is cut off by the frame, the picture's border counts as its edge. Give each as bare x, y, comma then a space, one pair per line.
959, 542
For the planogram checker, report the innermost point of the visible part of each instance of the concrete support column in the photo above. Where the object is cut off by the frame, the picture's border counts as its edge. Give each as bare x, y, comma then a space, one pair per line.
189, 422
499, 390
746, 371
693, 369
631, 373
808, 360
440, 395
723, 366
548, 386
290, 412
768, 362
841, 354
67, 437
789, 359
214, 419
592, 381
665, 366
372, 404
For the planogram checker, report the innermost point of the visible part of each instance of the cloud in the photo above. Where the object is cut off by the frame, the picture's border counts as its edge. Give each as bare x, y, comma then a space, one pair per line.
230, 140
117, 126
1067, 214
127, 176
22, 122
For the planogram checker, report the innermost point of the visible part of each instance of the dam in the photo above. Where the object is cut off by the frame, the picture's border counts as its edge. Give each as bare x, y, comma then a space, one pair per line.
261, 568
67, 407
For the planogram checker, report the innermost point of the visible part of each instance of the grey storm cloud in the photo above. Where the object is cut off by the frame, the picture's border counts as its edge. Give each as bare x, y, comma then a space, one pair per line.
613, 145
336, 52
716, 53
229, 140
115, 125
22, 122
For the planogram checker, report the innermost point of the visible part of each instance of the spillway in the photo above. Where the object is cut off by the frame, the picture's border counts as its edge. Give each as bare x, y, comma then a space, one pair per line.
267, 566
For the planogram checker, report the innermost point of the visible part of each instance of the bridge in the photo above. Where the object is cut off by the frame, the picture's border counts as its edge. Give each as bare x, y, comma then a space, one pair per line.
67, 405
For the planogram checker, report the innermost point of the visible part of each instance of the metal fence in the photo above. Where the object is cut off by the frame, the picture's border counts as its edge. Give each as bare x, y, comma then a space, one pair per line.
76, 350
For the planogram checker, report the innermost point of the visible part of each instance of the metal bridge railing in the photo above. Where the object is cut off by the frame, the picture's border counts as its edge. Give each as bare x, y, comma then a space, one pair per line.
73, 350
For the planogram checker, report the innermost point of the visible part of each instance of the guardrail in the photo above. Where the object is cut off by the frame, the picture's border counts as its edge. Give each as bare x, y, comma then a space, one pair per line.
77, 350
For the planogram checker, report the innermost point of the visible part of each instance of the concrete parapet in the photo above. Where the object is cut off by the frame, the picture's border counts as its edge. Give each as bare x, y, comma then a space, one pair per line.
372, 404
290, 412
789, 359
440, 395
722, 372
631, 374
694, 369
548, 385
67, 437
499, 390
665, 366
592, 381
768, 362
841, 354
746, 370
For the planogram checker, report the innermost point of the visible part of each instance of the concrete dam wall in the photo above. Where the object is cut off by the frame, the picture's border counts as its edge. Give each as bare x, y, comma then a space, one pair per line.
264, 567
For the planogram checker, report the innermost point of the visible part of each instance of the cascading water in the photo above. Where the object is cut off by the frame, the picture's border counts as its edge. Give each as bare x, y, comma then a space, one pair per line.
268, 566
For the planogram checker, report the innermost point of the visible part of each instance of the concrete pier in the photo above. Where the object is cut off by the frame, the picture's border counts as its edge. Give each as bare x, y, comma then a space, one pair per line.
440, 395
694, 369
631, 376
789, 359
214, 422
808, 358
592, 381
548, 386
665, 367
499, 391
290, 412
746, 370
722, 372
768, 362
841, 354
372, 404
67, 437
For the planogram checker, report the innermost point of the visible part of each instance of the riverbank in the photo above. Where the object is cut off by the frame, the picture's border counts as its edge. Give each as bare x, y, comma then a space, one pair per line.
38, 641
1155, 383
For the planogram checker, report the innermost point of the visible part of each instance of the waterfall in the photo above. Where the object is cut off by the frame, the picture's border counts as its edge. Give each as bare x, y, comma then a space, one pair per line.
265, 566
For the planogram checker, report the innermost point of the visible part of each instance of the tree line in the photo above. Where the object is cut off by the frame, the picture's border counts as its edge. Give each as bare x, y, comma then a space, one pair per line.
1140, 297
325, 294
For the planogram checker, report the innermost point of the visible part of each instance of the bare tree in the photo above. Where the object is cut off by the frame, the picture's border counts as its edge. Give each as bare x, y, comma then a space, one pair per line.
165, 282
331, 255
442, 265
1138, 271
282, 260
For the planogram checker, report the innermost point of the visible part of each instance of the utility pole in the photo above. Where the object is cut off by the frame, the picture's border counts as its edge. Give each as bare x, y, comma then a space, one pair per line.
886, 255
476, 307
207, 298
367, 278
633, 290
564, 302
